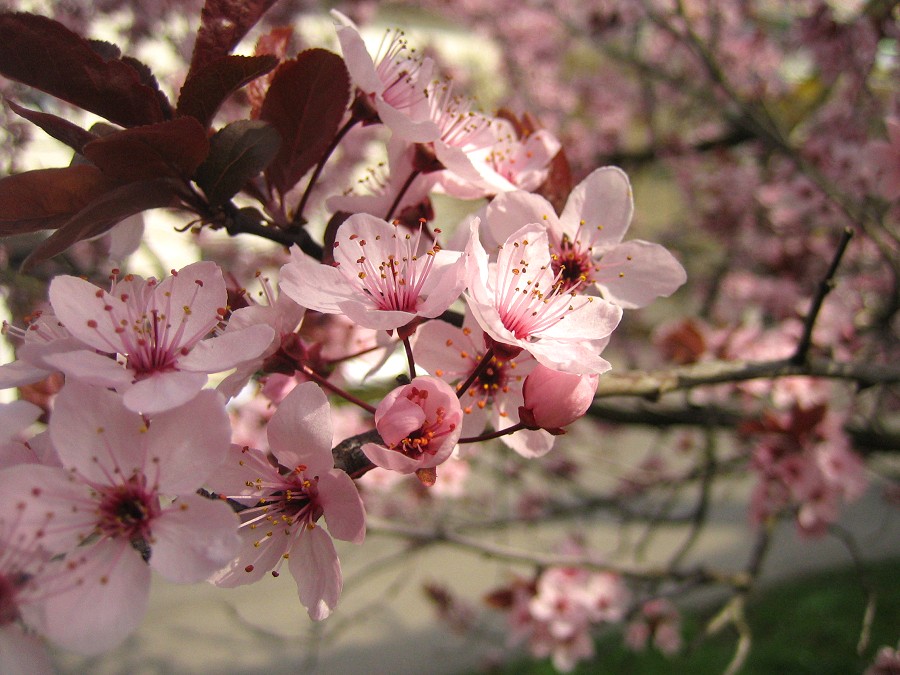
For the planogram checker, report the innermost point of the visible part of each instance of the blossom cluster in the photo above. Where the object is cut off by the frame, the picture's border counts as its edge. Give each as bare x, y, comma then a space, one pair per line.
140, 468
185, 424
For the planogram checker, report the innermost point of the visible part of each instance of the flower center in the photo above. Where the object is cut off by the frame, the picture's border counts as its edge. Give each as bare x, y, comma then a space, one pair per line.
127, 511
425, 439
572, 265
396, 281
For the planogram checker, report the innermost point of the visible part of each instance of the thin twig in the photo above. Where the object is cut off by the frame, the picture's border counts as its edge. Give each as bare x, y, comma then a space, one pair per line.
825, 286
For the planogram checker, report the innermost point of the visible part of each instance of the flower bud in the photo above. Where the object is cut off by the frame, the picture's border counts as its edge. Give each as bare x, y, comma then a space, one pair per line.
554, 399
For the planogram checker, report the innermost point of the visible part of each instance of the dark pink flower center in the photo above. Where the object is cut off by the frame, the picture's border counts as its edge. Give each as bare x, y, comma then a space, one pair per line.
127, 511
573, 266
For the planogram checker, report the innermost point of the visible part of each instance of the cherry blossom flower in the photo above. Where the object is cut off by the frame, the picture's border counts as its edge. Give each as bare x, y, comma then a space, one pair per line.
803, 460
586, 240
43, 336
104, 509
23, 586
519, 302
494, 397
463, 132
553, 400
509, 163
658, 620
420, 424
393, 82
284, 502
887, 661
387, 189
557, 614
381, 278
16, 417
281, 314
158, 331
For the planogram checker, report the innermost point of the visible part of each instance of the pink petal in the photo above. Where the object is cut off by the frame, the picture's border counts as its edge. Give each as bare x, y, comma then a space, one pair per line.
636, 272
390, 459
359, 63
163, 391
108, 599
190, 300
89, 367
15, 417
77, 305
311, 284
396, 418
317, 570
366, 316
19, 373
571, 357
241, 466
227, 350
254, 559
603, 199
509, 211
530, 443
344, 511
300, 431
444, 284
22, 653
95, 434
52, 509
186, 444
194, 538
403, 126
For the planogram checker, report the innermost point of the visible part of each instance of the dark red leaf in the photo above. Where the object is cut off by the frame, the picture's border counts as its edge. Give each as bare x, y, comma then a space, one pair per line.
208, 87
169, 149
223, 23
237, 153
46, 55
103, 213
57, 127
305, 104
45, 199
149, 79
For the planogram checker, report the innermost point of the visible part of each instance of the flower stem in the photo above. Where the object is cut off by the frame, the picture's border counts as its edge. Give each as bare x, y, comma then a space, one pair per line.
323, 382
298, 214
409, 358
403, 190
479, 369
494, 434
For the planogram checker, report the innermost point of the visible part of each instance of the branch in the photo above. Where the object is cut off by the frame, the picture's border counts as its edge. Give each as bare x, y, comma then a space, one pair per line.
653, 384
530, 557
870, 439
825, 287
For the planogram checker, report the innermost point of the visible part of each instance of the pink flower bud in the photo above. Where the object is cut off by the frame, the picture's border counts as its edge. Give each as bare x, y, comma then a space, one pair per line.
554, 399
419, 424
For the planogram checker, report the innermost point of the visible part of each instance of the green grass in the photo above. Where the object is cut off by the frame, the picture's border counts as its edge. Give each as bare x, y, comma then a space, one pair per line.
809, 626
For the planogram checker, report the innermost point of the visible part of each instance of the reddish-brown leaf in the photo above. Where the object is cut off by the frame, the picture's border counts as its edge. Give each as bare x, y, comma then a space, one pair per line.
46, 55
57, 127
171, 149
45, 199
103, 213
223, 23
237, 153
208, 87
305, 104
